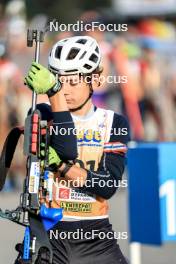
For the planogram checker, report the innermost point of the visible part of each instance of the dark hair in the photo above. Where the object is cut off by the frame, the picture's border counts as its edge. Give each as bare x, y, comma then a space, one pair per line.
88, 76
98, 70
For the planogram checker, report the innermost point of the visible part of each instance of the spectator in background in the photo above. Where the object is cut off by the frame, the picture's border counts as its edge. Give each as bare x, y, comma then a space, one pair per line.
100, 94
10, 90
168, 103
10, 82
151, 88
127, 65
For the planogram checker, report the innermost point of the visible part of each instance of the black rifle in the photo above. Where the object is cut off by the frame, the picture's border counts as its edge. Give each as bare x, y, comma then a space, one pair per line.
28, 213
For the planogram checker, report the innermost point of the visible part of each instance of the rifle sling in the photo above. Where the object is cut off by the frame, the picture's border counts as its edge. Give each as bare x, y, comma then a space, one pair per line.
8, 152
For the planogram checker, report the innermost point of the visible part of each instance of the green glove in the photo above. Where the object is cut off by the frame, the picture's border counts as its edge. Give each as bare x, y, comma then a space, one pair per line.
53, 158
40, 79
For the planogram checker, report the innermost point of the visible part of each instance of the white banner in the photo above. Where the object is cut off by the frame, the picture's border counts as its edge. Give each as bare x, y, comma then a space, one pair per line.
144, 7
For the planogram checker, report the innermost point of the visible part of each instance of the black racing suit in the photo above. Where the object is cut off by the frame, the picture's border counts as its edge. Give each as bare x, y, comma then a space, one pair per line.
92, 250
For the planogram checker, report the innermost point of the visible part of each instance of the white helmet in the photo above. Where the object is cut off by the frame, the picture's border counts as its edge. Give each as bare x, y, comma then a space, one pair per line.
80, 54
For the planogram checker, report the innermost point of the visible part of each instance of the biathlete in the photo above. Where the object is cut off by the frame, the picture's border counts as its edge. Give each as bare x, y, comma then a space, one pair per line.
90, 163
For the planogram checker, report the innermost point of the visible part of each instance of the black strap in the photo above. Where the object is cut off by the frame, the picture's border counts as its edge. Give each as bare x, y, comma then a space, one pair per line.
42, 239
8, 152
65, 170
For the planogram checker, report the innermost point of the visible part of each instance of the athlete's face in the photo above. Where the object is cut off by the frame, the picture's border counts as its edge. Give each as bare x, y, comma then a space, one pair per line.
76, 90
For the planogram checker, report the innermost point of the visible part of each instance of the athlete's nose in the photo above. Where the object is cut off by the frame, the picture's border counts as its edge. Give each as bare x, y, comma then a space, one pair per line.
66, 88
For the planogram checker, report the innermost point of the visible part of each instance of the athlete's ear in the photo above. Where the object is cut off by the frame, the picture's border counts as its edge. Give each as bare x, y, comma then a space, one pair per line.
96, 80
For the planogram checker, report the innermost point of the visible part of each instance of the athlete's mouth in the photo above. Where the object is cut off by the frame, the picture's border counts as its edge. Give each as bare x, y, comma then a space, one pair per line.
69, 101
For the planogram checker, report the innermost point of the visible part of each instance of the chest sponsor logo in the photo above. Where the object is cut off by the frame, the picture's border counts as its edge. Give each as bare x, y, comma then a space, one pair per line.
89, 136
80, 196
64, 193
76, 207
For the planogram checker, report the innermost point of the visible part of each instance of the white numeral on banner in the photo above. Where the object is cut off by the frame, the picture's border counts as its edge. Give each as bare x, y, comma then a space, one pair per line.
168, 190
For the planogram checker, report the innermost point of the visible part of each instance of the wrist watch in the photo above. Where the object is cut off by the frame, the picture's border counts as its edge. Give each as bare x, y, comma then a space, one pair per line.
57, 87
65, 170
67, 166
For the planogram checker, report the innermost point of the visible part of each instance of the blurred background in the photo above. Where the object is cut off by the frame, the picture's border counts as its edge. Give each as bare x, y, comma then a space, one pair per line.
145, 53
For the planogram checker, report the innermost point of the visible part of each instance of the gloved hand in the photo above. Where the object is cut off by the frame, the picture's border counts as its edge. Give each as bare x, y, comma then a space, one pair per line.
41, 80
53, 158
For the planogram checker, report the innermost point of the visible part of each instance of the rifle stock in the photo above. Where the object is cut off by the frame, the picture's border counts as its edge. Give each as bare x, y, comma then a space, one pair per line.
31, 214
